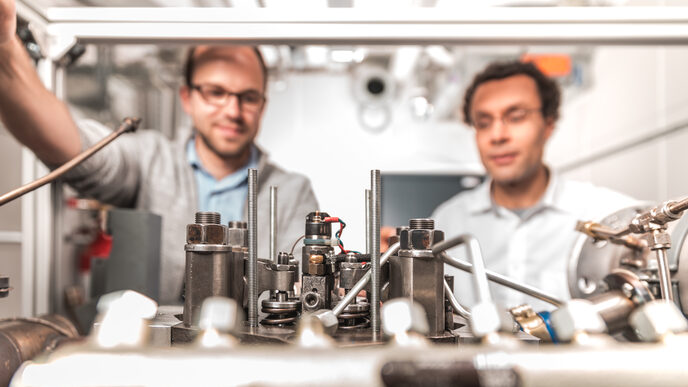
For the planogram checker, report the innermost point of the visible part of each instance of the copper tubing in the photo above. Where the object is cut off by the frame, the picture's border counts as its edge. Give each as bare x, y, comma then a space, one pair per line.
128, 125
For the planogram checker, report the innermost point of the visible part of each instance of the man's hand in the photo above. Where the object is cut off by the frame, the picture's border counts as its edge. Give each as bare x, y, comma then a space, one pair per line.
8, 20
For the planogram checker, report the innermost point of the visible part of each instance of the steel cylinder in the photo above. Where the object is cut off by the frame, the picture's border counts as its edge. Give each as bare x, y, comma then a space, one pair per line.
24, 339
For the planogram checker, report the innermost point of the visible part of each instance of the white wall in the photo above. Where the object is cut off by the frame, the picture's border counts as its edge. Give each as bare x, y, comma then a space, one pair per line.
637, 91
312, 128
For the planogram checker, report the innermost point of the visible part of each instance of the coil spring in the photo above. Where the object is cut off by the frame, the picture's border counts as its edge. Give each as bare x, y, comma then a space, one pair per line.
279, 316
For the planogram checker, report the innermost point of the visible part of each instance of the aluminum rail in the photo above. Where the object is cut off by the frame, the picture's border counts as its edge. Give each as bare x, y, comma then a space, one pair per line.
393, 249
413, 25
439, 251
128, 125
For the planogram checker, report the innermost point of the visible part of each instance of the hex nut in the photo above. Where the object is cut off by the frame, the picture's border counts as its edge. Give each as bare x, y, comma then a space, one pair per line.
237, 237
419, 239
214, 234
194, 234
282, 267
655, 319
316, 269
402, 315
575, 317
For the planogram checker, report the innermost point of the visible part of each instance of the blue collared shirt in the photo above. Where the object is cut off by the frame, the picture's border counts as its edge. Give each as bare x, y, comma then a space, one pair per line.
226, 196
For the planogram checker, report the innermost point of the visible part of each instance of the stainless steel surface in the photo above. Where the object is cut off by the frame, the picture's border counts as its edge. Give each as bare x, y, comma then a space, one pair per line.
375, 218
503, 280
208, 264
21, 339
664, 275
416, 274
458, 308
251, 275
591, 261
614, 307
127, 125
273, 224
337, 310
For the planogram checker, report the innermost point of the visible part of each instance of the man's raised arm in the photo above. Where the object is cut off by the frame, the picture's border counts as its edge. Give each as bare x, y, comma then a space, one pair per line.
29, 111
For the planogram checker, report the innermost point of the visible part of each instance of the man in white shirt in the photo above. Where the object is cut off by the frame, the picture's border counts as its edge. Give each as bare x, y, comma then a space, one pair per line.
523, 215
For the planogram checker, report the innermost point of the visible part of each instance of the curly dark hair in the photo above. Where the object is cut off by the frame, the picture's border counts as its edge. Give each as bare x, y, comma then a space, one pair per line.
548, 89
189, 66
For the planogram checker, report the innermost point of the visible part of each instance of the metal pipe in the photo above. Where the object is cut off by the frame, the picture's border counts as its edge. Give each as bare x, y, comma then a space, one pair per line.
375, 213
664, 275
458, 308
273, 224
367, 222
128, 125
482, 288
439, 251
252, 247
351, 295
679, 206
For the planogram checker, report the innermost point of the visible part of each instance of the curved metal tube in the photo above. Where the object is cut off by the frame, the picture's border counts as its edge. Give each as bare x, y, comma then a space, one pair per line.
439, 251
458, 308
393, 249
482, 288
128, 125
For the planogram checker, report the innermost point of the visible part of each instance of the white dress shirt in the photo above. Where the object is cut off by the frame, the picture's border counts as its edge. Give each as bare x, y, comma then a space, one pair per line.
532, 247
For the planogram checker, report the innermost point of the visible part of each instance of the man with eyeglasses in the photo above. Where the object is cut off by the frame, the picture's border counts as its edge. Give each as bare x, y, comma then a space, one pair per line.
524, 214
205, 170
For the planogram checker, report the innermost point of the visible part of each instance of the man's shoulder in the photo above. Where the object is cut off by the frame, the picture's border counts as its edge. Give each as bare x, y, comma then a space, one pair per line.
588, 199
458, 203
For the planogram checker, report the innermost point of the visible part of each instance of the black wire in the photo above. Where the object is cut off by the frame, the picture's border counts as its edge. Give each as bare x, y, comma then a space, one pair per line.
294, 245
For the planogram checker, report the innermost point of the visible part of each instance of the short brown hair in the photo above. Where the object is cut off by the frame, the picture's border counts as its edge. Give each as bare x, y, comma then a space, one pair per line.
548, 89
189, 66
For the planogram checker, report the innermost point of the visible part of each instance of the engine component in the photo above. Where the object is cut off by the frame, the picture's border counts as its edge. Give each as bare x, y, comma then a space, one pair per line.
280, 307
318, 263
356, 314
207, 263
415, 273
599, 253
22, 339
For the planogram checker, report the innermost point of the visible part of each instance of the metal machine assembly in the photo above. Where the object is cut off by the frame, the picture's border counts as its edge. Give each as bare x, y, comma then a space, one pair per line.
324, 318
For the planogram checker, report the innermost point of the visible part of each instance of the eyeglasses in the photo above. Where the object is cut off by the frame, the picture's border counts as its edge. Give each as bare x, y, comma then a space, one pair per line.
513, 117
250, 100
